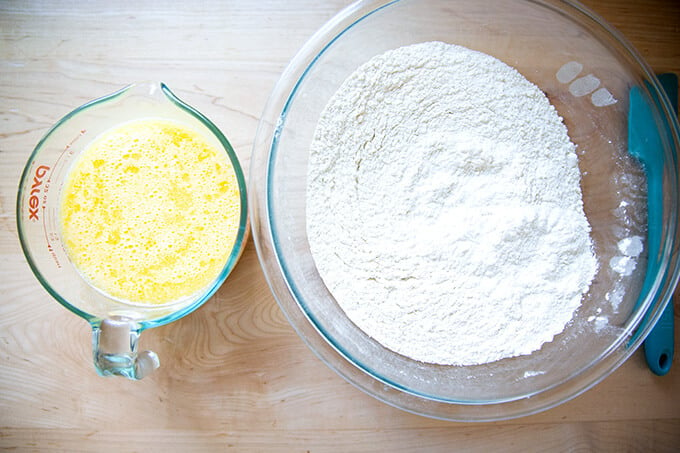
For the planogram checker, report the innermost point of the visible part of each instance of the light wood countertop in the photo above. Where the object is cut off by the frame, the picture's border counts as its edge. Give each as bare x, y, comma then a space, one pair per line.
234, 374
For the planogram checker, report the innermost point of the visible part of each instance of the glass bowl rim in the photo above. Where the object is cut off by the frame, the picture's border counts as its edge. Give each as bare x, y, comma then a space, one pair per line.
271, 125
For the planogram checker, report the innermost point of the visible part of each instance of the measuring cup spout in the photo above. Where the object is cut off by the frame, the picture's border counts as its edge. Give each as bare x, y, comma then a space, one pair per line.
114, 343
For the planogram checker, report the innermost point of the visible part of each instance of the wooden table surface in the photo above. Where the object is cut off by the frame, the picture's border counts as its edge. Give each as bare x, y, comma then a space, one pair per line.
234, 374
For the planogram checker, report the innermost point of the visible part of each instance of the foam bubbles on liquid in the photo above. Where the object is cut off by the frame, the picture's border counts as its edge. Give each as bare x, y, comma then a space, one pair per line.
150, 211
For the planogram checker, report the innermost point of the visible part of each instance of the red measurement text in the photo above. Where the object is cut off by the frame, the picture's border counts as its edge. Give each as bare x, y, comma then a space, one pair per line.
34, 200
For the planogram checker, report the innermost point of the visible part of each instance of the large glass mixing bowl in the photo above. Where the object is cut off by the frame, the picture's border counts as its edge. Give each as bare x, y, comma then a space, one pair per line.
587, 70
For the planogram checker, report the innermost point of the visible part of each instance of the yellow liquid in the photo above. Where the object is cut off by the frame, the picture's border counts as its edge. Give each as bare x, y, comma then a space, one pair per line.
150, 212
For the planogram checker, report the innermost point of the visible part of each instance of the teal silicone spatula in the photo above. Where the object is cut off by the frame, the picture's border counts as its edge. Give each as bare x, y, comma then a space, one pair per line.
644, 143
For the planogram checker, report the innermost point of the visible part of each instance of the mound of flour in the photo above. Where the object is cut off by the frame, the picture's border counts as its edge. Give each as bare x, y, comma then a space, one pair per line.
444, 209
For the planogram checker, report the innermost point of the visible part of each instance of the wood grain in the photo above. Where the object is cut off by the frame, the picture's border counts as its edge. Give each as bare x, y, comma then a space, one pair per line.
653, 435
234, 374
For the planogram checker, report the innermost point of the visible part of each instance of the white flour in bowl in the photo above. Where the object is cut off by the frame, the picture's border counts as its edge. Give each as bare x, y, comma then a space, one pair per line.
444, 208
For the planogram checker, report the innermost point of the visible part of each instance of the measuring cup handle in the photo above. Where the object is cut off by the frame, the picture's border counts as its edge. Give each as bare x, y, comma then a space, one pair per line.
114, 344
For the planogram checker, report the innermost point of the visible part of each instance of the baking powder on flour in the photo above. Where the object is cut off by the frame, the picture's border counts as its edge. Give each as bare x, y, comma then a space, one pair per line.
444, 209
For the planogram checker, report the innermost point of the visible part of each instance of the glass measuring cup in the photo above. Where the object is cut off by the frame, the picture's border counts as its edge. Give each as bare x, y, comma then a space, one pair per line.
116, 324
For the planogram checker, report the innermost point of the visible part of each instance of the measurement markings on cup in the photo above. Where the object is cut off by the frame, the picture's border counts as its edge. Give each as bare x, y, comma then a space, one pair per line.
37, 202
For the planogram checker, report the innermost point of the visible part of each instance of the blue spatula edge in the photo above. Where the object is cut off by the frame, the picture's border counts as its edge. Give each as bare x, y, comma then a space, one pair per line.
645, 144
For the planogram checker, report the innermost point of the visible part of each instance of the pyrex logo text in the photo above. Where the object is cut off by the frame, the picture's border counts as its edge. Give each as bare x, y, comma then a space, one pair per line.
34, 201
